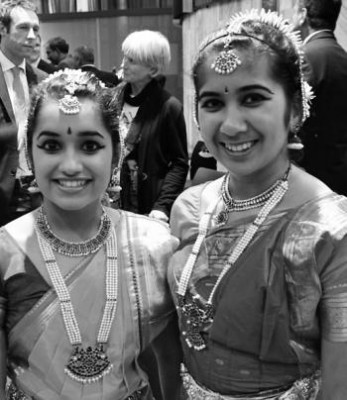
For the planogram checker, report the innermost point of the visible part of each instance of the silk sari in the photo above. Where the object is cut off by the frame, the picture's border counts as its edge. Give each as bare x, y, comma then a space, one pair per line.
284, 293
38, 346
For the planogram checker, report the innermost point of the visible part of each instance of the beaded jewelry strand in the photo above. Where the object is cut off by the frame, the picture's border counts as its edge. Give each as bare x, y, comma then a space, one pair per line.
195, 311
91, 364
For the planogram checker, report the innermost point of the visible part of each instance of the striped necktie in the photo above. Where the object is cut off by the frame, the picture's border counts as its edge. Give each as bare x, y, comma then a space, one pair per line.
18, 90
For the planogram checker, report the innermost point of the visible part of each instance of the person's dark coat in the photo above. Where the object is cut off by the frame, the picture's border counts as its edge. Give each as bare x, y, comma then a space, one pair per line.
161, 151
8, 143
324, 134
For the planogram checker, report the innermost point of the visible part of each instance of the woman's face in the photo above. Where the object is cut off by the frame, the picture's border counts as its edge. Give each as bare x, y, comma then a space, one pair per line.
135, 72
244, 116
72, 155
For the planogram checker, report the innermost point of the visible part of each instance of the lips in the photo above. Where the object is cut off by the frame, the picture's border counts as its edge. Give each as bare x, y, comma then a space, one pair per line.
239, 147
72, 183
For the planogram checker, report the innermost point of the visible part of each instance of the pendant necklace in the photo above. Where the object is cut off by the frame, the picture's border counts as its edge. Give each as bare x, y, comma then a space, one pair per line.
195, 311
230, 204
91, 364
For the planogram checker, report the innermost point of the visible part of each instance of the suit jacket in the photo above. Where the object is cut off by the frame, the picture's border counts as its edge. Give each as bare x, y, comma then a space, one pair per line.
8, 142
324, 133
161, 151
46, 66
108, 78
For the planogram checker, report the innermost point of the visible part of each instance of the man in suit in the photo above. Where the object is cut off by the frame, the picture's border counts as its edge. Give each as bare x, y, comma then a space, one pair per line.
57, 50
324, 134
84, 59
19, 28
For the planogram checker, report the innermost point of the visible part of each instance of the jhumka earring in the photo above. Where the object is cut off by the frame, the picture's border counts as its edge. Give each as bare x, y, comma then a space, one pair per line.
114, 186
33, 187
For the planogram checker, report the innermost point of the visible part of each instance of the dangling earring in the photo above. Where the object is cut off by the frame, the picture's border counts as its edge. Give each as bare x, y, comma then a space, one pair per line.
294, 142
33, 187
114, 187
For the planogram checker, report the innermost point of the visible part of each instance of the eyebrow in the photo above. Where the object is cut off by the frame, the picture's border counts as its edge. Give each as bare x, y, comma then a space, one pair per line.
79, 134
241, 90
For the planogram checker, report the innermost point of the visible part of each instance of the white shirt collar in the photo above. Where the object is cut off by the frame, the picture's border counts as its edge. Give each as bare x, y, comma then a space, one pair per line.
311, 35
7, 64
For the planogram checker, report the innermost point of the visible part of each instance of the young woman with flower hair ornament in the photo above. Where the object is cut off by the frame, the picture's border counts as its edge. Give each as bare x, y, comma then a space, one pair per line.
83, 291
260, 277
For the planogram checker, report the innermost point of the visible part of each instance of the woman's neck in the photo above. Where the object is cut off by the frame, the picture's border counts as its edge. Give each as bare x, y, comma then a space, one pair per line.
246, 187
74, 225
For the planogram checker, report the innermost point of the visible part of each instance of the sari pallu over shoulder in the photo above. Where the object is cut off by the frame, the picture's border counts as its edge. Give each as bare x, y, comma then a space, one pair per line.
267, 323
39, 347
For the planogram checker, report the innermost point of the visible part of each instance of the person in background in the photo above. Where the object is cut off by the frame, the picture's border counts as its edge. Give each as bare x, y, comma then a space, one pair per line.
260, 277
19, 29
324, 134
36, 61
57, 51
83, 57
83, 289
153, 126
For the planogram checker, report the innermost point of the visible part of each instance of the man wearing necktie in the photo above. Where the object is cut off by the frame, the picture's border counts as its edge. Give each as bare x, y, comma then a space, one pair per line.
19, 28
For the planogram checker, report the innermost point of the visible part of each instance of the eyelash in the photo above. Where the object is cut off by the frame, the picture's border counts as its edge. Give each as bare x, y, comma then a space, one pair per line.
52, 146
249, 100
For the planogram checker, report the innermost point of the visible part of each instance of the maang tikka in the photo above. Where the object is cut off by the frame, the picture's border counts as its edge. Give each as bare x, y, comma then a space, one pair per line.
227, 60
70, 104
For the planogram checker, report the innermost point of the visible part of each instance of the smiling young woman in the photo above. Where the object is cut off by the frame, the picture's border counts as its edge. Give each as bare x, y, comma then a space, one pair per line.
260, 277
83, 291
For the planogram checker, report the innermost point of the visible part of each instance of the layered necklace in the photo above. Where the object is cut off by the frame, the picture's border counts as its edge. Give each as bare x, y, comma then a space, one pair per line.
230, 204
196, 312
86, 365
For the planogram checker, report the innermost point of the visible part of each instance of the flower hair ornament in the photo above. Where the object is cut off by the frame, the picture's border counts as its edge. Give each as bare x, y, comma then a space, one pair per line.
75, 79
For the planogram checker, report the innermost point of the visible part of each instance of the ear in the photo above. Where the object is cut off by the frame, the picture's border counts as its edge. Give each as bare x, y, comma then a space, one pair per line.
154, 71
3, 29
302, 15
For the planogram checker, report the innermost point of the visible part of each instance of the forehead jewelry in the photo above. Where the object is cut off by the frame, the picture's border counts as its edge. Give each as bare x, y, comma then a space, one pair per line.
226, 62
273, 19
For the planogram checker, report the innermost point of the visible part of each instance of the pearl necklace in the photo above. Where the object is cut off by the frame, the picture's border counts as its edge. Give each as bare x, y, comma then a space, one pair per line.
195, 311
231, 204
91, 364
74, 249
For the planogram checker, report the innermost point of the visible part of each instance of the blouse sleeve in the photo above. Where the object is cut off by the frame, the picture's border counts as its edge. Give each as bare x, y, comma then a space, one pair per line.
317, 246
334, 294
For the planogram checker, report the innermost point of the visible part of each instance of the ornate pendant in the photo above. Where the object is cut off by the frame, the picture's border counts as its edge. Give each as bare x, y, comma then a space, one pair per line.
194, 316
88, 366
222, 217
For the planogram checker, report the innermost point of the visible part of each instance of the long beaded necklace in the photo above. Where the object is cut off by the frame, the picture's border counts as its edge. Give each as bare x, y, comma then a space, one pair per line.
195, 311
91, 364
230, 204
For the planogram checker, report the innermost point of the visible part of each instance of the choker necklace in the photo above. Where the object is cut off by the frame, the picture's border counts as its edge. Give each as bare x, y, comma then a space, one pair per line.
91, 364
196, 312
230, 204
74, 249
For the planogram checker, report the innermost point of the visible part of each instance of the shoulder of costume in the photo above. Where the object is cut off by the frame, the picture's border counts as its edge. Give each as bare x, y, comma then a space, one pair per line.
327, 213
21, 228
